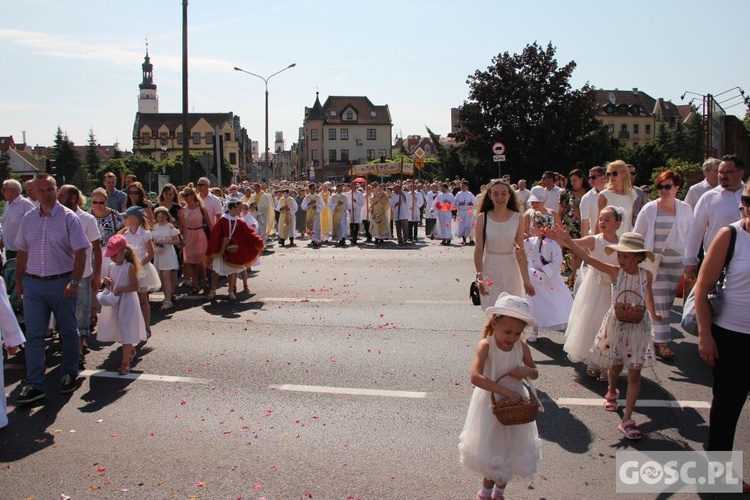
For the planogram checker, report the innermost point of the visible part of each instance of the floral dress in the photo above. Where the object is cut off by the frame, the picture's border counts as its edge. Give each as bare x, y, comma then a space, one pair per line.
570, 213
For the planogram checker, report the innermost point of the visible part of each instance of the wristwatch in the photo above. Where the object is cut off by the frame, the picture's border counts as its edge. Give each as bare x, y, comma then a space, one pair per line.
75, 282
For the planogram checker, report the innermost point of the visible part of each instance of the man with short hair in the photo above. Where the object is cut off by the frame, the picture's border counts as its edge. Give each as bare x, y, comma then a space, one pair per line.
116, 199
590, 201
356, 202
29, 187
416, 200
442, 205
340, 208
430, 216
50, 264
16, 207
640, 199
710, 180
715, 209
522, 194
71, 198
213, 205
466, 205
400, 211
551, 190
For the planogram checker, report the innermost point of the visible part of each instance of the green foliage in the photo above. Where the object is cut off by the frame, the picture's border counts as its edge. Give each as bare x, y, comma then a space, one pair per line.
525, 101
66, 158
746, 120
646, 158
5, 171
116, 165
82, 180
92, 154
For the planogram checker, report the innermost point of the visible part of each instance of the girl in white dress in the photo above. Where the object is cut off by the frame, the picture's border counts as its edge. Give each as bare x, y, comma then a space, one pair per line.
594, 296
623, 344
498, 452
552, 302
165, 236
138, 235
122, 322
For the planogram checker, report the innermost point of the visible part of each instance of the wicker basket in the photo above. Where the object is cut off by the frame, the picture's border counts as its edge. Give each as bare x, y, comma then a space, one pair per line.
629, 312
518, 412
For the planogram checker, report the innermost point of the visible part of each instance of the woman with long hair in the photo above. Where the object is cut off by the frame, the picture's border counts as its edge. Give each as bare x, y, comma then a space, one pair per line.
619, 192
137, 198
499, 259
195, 226
664, 223
570, 211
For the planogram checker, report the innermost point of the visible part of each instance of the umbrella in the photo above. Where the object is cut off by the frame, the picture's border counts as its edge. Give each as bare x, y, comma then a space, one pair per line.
360, 179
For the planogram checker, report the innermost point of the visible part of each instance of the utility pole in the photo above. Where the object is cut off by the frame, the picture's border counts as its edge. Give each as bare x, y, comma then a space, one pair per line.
185, 130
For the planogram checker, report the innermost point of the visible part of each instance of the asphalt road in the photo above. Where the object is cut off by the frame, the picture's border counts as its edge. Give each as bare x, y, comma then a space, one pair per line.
342, 374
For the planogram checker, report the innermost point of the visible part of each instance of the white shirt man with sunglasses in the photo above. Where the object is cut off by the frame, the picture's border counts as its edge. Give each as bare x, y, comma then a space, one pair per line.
717, 208
590, 201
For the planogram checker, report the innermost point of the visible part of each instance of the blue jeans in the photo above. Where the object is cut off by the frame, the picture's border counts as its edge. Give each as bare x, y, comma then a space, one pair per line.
83, 306
40, 298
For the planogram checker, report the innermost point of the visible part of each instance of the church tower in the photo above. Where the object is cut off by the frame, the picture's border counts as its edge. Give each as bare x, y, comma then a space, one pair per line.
148, 101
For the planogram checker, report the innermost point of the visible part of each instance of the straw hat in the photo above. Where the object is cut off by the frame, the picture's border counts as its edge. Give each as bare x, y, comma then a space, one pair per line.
630, 243
515, 307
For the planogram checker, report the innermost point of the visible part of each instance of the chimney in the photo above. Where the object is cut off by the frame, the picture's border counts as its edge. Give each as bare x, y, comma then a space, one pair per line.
635, 90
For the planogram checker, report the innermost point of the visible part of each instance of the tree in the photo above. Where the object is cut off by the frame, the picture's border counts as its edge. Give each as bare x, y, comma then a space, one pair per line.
526, 102
5, 171
66, 158
92, 154
746, 120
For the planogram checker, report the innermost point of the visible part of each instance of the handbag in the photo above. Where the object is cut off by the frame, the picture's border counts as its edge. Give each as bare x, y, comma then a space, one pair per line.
715, 296
474, 295
205, 224
107, 297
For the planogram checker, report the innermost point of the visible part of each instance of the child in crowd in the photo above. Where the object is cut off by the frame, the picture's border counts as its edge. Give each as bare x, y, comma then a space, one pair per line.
165, 236
138, 235
252, 222
496, 451
122, 322
594, 296
552, 301
622, 343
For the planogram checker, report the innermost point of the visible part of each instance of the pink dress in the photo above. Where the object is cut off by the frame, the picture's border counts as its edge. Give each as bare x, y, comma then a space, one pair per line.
196, 242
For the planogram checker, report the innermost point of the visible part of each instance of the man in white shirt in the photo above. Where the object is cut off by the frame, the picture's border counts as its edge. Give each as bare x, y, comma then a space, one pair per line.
70, 197
590, 201
551, 191
400, 214
523, 194
430, 216
442, 206
357, 201
16, 207
710, 180
416, 200
466, 204
715, 209
640, 199
213, 204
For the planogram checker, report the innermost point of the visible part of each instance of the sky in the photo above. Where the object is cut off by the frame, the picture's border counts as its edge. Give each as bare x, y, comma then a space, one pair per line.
77, 64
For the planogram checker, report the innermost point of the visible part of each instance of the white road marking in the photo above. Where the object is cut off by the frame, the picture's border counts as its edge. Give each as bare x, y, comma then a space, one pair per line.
643, 403
349, 390
293, 299
142, 376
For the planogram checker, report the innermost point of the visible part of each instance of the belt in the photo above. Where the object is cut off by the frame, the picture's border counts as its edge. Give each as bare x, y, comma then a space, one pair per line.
49, 278
195, 228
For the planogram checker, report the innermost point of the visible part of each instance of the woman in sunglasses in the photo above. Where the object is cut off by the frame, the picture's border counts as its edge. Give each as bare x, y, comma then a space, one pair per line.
664, 224
137, 198
619, 192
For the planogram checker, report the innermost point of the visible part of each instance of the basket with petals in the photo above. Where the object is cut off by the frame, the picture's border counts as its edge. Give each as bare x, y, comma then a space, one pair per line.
517, 412
629, 311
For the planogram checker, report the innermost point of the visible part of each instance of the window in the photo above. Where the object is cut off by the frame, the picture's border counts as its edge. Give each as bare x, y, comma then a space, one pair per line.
334, 112
154, 134
345, 155
227, 136
350, 115
624, 127
648, 129
314, 134
209, 138
196, 138
344, 134
381, 153
611, 128
314, 155
373, 113
232, 158
331, 134
636, 128
145, 138
179, 138
331, 155
371, 134
370, 154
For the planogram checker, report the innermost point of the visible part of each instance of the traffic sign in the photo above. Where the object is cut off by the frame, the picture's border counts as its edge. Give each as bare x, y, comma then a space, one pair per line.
498, 158
498, 149
419, 162
419, 153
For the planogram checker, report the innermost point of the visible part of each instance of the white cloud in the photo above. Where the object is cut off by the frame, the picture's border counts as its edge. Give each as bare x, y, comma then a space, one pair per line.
17, 106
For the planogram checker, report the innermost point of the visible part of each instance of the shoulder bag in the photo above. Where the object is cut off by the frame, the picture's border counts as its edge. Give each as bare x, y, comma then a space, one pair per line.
715, 296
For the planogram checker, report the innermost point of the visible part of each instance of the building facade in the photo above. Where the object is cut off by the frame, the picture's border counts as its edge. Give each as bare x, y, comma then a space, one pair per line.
344, 131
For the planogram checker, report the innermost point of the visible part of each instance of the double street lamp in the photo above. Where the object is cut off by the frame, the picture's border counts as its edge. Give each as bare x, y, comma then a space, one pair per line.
265, 81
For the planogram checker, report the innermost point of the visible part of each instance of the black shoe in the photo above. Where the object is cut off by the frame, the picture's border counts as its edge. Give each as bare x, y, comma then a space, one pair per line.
342, 243
81, 361
471, 243
28, 395
67, 384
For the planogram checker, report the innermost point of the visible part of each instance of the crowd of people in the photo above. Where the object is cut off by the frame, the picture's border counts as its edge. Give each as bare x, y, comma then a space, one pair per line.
569, 254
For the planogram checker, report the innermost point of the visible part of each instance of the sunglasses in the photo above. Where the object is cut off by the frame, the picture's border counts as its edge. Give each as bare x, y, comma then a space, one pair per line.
614, 173
664, 187
97, 203
745, 201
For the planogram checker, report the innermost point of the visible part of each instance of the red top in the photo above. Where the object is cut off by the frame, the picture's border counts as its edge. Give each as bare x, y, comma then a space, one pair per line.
249, 243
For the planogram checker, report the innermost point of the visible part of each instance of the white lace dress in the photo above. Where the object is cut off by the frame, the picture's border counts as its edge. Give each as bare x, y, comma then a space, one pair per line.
496, 451
122, 322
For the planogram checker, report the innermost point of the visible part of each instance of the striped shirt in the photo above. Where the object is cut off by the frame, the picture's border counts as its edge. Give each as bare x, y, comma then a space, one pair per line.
51, 240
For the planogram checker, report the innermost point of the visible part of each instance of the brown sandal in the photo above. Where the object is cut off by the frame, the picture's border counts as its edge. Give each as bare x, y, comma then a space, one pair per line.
663, 351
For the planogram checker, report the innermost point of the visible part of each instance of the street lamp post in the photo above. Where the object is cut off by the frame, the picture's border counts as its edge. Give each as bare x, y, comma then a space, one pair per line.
265, 81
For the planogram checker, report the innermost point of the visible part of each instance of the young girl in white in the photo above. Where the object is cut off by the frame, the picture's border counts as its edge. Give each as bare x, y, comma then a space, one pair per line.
594, 296
498, 452
165, 237
138, 236
123, 321
619, 344
552, 301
